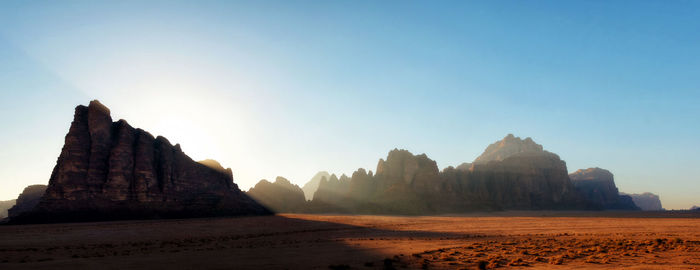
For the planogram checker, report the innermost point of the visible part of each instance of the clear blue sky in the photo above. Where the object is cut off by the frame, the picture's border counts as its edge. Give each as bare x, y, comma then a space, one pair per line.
293, 87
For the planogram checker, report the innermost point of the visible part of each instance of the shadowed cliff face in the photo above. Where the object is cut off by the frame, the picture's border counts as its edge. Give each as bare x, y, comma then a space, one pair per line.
598, 186
109, 170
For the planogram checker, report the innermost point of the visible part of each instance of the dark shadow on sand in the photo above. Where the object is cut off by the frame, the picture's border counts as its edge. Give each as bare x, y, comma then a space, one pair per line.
266, 242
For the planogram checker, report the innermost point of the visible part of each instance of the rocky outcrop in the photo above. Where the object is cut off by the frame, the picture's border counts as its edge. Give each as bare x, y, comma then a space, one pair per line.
598, 186
4, 206
110, 170
280, 196
646, 201
310, 187
27, 200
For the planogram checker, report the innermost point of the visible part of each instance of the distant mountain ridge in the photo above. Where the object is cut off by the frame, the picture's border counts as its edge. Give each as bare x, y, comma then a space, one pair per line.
280, 196
598, 185
647, 201
511, 174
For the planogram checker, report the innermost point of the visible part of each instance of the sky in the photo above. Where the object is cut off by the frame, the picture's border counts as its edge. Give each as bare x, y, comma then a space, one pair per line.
291, 88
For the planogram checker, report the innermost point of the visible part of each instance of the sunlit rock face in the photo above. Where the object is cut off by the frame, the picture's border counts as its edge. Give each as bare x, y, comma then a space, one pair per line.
646, 201
27, 200
280, 196
598, 186
110, 170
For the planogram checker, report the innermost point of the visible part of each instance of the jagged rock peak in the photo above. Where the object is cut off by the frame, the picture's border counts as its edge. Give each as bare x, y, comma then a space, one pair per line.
96, 106
591, 174
311, 186
508, 146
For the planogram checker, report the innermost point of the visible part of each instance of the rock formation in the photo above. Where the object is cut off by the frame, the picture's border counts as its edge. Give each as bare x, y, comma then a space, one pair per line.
511, 174
598, 186
280, 196
27, 200
4, 206
329, 189
310, 187
646, 201
110, 170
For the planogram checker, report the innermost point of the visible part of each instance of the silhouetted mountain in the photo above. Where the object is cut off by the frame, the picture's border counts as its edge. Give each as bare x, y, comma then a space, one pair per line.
27, 200
280, 196
511, 174
310, 187
109, 170
598, 186
4, 206
695, 208
646, 201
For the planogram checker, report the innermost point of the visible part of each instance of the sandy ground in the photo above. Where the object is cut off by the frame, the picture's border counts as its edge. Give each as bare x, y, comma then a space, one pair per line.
293, 241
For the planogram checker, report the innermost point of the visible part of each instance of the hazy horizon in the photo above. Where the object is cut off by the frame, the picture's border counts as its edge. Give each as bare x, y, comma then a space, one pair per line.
296, 88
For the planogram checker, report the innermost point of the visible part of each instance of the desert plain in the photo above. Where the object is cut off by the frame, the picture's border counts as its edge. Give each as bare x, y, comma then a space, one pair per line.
527, 240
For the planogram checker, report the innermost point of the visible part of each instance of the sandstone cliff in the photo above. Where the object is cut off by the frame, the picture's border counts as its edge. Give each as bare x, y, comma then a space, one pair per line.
280, 196
598, 186
646, 201
110, 170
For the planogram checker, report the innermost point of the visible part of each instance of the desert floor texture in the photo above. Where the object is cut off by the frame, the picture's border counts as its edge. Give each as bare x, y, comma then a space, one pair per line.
294, 241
